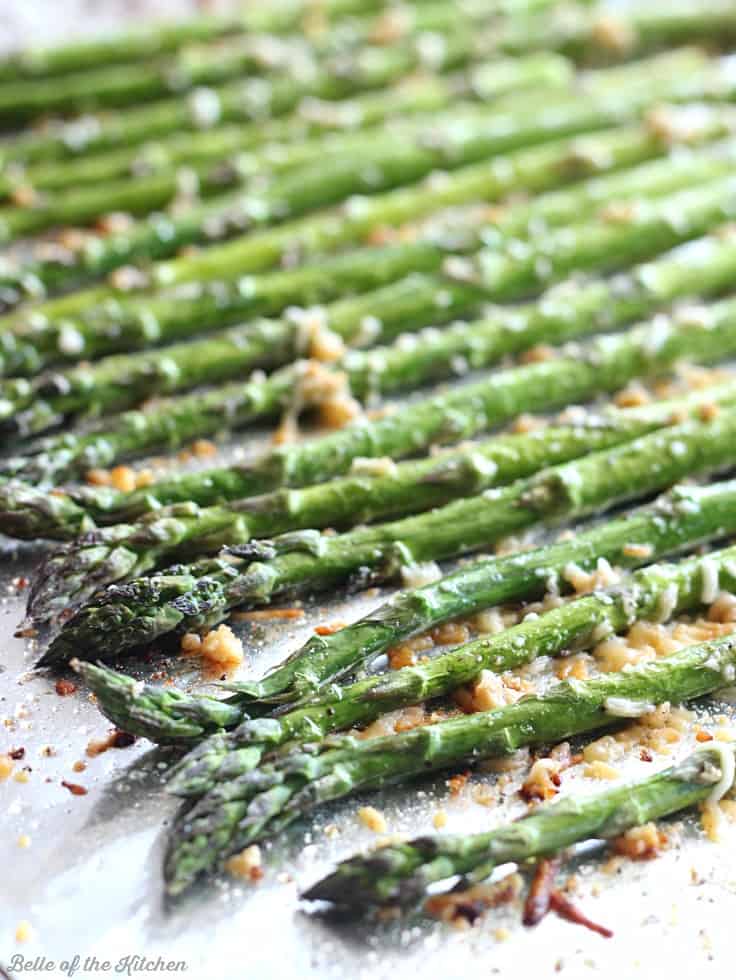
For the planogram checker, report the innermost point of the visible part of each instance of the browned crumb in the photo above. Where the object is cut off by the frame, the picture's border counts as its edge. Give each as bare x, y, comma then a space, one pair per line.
613, 34
400, 656
64, 688
723, 610
247, 864
456, 784
632, 396
113, 223
537, 354
450, 633
203, 448
637, 550
640, 843
113, 740
464, 908
24, 196
328, 629
543, 781
221, 649
373, 819
74, 788
79, 766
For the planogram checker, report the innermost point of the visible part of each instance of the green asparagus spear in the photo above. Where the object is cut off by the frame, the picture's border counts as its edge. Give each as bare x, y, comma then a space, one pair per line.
286, 69
572, 29
572, 626
569, 310
361, 163
580, 373
538, 168
190, 597
71, 575
32, 342
157, 39
485, 81
401, 873
320, 61
678, 521
258, 804
30, 407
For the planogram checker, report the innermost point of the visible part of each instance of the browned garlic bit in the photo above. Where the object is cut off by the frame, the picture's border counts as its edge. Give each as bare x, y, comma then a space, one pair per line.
220, 649
641, 843
247, 864
462, 909
372, 819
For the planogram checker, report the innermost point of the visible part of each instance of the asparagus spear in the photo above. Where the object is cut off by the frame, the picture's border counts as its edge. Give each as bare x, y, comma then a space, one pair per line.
237, 57
484, 81
31, 342
258, 804
573, 626
536, 168
391, 157
569, 310
401, 873
28, 408
72, 574
190, 597
321, 60
167, 715
157, 39
315, 70
580, 373
580, 34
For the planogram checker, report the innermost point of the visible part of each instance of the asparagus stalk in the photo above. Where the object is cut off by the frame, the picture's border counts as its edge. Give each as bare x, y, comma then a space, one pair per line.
190, 597
157, 39
317, 70
71, 575
258, 804
391, 157
537, 168
30, 407
573, 626
680, 520
401, 873
580, 373
320, 61
31, 342
581, 35
569, 310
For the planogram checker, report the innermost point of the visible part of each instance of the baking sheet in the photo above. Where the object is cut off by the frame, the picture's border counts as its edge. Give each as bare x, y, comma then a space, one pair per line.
89, 883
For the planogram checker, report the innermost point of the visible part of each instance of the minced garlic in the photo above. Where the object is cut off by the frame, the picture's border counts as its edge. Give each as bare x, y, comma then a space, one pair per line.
247, 864
222, 648
373, 819
600, 770
487, 692
640, 843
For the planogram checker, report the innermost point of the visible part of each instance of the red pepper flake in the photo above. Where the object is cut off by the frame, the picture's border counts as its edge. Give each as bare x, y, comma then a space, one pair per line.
74, 788
17, 754
571, 913
646, 756
702, 736
63, 688
537, 903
